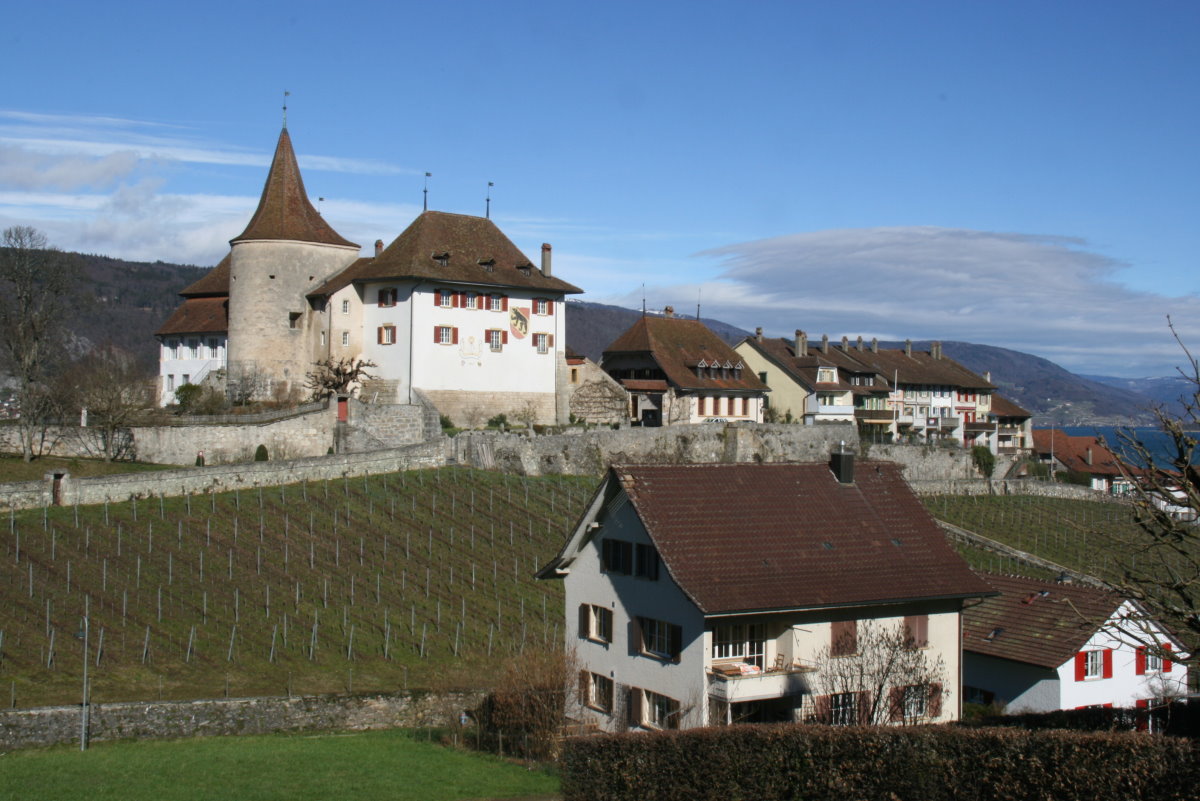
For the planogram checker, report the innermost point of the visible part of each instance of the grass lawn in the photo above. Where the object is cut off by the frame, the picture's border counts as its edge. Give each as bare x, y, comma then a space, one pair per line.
13, 468
393, 764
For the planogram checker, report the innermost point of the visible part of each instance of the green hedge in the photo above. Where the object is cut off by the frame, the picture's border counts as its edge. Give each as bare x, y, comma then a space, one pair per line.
927, 763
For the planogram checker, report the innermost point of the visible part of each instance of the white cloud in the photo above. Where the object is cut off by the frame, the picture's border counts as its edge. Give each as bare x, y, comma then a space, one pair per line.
1047, 295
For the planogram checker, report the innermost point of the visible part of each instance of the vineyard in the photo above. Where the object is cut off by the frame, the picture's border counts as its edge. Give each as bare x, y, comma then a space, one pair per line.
421, 579
1076, 534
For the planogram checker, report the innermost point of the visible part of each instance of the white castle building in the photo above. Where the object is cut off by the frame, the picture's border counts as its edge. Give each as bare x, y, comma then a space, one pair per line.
451, 308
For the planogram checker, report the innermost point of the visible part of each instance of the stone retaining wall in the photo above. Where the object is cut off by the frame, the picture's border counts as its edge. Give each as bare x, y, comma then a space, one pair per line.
43, 726
221, 478
1018, 486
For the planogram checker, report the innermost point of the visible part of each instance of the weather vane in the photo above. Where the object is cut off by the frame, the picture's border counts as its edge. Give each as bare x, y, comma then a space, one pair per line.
488, 212
425, 204
285, 97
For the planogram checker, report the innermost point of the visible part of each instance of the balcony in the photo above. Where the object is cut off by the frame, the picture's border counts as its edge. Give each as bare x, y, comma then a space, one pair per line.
734, 687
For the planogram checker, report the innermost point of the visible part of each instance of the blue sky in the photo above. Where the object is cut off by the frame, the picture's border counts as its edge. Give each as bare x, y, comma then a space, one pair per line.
1017, 174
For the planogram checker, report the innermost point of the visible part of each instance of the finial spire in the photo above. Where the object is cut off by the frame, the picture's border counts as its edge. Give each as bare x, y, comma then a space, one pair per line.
425, 202
488, 212
285, 97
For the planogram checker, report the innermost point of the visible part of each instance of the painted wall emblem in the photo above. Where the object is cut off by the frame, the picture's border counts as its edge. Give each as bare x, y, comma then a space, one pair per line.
518, 321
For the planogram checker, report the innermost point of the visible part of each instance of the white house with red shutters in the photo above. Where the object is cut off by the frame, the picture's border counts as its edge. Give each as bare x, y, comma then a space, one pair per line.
1040, 646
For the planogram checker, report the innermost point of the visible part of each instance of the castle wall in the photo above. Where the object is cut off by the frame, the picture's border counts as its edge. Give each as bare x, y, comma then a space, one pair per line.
273, 334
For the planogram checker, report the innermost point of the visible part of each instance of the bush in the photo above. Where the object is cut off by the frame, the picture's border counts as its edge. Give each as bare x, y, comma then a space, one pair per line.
499, 421
820, 763
984, 459
524, 713
188, 397
260, 453
445, 421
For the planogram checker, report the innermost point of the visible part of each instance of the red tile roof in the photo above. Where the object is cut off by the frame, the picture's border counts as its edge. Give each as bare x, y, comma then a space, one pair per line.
1003, 407
644, 384
678, 346
215, 282
1081, 453
475, 252
197, 316
284, 211
1027, 626
748, 537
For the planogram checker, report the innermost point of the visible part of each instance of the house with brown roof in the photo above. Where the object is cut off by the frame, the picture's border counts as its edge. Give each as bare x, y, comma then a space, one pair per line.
1038, 646
717, 593
1083, 455
451, 309
193, 340
678, 371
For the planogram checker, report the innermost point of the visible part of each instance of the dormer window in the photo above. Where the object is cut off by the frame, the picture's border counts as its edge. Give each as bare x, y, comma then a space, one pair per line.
488, 265
525, 269
442, 258
826, 375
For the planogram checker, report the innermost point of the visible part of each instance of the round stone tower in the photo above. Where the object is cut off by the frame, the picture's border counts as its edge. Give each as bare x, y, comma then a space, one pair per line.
285, 252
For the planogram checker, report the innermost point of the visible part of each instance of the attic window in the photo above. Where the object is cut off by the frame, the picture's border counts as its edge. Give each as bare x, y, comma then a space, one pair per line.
897, 542
487, 264
525, 269
828, 546
293, 319
994, 633
442, 258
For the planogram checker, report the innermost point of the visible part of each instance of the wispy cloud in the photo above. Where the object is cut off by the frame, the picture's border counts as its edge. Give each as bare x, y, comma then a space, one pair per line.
1044, 294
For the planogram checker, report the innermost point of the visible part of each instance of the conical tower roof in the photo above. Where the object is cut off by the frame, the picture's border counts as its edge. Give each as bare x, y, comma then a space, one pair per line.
284, 211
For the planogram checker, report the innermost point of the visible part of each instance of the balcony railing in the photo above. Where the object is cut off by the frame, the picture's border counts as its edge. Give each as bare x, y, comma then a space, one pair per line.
737, 687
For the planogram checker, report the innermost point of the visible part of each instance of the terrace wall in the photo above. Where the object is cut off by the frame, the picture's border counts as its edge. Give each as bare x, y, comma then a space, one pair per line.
43, 726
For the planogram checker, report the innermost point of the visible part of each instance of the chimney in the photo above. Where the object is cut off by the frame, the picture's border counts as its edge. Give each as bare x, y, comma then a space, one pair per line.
842, 465
1088, 455
845, 343
874, 344
935, 350
378, 246
860, 343
758, 333
825, 343
908, 347
669, 311
987, 376
801, 343
546, 259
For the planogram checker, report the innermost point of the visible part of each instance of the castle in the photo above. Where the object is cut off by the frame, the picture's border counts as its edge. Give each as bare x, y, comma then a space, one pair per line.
451, 310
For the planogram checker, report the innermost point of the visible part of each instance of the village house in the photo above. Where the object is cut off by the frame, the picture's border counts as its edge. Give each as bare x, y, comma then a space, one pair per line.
1085, 456
451, 309
716, 593
1038, 646
678, 371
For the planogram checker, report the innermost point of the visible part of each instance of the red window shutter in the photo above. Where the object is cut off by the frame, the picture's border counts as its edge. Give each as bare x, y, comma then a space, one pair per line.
585, 682
863, 704
1140, 660
702, 403
436, 338
1166, 663
635, 635
437, 297
635, 706
896, 704
823, 709
676, 642
504, 303
550, 308
935, 700
379, 335
1080, 666
454, 336
503, 337
549, 340
1108, 663
584, 621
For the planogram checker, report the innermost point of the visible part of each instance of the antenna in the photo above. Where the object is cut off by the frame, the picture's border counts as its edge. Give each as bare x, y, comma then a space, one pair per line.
285, 97
320, 200
488, 213
425, 204
643, 299
698, 290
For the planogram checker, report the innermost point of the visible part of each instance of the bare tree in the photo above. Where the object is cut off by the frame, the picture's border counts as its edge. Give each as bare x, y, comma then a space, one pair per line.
113, 387
879, 674
1159, 562
35, 287
335, 376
